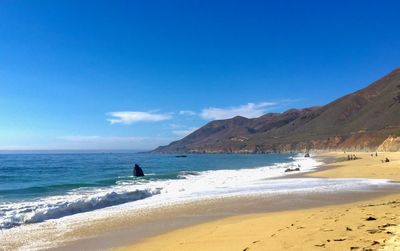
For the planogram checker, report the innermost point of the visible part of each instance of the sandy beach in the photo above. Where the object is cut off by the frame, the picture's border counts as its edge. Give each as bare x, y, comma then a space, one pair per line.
317, 211
370, 224
199, 125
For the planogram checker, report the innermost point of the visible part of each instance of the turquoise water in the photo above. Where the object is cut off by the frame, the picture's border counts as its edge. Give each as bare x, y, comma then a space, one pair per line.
54, 193
24, 176
39, 187
30, 183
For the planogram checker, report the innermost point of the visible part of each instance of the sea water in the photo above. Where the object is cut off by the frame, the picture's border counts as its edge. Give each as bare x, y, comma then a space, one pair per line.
38, 187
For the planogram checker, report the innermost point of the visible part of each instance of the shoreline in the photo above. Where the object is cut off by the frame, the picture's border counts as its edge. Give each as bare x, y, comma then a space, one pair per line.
370, 224
131, 228
204, 211
195, 238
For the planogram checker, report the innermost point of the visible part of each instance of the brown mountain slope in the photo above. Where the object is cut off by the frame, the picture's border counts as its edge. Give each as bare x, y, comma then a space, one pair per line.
358, 121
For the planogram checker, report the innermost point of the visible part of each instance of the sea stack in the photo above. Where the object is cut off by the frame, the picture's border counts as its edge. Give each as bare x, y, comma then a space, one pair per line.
137, 171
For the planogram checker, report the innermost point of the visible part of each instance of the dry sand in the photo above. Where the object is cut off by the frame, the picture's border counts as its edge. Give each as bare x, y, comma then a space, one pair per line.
365, 167
368, 225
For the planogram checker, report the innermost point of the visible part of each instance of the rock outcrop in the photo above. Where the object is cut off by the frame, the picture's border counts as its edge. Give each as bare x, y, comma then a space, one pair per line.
391, 144
137, 171
288, 170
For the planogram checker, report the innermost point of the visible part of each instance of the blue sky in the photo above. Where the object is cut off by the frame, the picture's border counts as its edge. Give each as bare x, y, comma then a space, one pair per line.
137, 74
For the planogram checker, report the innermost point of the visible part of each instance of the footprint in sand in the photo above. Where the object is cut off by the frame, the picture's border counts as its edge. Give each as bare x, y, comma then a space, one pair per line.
340, 239
374, 231
375, 243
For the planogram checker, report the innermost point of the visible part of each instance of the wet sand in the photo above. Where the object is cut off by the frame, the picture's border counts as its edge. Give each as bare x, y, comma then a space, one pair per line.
370, 223
163, 227
136, 228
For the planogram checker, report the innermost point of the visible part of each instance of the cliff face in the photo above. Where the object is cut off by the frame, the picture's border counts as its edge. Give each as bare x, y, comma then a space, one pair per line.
358, 121
391, 144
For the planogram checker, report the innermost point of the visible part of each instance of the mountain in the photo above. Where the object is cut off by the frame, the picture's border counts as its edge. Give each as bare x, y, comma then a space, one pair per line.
362, 120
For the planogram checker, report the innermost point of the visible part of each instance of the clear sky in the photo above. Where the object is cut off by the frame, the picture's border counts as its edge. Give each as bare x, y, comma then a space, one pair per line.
137, 74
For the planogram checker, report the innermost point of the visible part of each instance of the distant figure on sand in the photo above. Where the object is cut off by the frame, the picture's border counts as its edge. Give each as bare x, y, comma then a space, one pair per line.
352, 157
387, 160
137, 171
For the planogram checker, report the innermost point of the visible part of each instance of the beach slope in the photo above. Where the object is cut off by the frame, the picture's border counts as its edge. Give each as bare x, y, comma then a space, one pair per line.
366, 225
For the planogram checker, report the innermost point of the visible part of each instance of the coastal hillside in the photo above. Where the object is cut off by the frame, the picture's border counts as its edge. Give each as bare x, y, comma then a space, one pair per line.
362, 120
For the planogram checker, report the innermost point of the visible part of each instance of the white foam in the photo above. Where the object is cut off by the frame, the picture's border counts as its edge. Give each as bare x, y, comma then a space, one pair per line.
80, 204
191, 185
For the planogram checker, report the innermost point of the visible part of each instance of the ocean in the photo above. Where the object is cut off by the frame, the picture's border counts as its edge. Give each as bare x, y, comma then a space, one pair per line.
40, 187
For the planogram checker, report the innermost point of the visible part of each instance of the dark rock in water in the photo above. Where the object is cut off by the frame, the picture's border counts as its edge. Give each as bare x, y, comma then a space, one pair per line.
137, 171
181, 156
292, 170
307, 155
